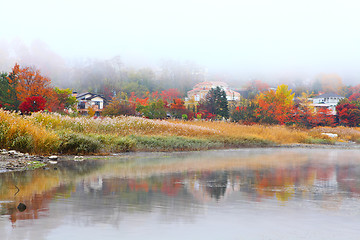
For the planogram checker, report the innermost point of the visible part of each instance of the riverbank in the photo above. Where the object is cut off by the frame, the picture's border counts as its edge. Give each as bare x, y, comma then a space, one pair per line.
45, 134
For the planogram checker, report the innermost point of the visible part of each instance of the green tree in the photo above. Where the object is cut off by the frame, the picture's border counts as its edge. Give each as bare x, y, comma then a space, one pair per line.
65, 97
155, 110
246, 112
8, 97
216, 102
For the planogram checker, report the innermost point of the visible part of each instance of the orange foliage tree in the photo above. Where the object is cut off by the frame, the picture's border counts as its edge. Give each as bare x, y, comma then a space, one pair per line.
178, 109
29, 83
274, 107
178, 104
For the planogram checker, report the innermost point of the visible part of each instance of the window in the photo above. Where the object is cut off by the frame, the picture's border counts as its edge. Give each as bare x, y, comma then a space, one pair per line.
97, 103
81, 105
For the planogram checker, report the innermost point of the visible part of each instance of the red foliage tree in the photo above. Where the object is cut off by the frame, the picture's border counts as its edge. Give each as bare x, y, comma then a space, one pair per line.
355, 97
349, 114
155, 96
305, 117
170, 94
33, 104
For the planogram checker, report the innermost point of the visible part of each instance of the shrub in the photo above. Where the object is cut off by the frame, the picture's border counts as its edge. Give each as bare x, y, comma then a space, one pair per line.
124, 145
119, 107
33, 104
77, 143
173, 143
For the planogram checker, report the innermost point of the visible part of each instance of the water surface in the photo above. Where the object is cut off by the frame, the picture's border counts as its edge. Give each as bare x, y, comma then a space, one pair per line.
230, 194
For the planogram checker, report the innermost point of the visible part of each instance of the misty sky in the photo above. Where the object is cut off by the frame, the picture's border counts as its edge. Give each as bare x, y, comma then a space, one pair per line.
252, 37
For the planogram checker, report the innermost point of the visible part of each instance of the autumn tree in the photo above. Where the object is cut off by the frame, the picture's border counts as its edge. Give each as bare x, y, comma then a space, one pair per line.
355, 97
177, 108
119, 107
303, 112
170, 94
32, 104
348, 113
245, 113
64, 98
275, 106
305, 115
29, 83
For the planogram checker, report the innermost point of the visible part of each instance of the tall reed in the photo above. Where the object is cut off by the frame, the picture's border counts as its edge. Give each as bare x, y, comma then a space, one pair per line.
18, 133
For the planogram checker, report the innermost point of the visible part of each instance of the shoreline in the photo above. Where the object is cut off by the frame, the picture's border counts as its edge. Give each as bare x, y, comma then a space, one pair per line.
24, 162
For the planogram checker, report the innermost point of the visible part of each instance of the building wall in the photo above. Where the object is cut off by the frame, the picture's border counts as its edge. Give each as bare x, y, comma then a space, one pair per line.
329, 103
330, 100
98, 99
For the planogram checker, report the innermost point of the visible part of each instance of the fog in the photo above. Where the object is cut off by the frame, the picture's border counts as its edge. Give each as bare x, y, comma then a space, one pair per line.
232, 41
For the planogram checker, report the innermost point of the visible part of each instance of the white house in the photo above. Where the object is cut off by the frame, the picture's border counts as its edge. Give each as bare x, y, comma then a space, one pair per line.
327, 100
86, 100
201, 89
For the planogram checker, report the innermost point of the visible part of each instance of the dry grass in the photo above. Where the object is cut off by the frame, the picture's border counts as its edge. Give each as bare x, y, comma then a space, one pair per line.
46, 133
277, 134
125, 126
122, 126
21, 134
344, 133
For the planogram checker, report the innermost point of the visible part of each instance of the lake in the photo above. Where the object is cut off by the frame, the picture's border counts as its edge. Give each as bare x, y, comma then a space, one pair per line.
268, 193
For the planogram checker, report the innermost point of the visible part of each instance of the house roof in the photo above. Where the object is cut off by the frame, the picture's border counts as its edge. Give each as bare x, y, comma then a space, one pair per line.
210, 84
327, 95
82, 96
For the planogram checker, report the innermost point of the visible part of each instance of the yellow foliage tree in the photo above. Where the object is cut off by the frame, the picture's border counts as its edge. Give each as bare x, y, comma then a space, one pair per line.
91, 111
275, 106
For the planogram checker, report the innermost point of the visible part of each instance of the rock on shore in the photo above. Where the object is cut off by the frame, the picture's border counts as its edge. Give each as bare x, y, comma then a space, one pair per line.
14, 160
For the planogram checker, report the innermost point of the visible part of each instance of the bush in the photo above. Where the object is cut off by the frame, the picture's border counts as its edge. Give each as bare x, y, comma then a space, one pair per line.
173, 143
76, 143
124, 145
318, 141
119, 107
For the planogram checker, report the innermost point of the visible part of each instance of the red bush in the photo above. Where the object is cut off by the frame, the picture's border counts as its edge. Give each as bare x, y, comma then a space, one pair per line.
32, 104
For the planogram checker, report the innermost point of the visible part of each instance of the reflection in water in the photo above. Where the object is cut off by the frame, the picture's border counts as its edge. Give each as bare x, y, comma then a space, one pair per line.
181, 188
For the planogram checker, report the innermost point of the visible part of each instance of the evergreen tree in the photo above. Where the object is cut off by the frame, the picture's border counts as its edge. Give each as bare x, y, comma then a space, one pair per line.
222, 103
216, 102
8, 97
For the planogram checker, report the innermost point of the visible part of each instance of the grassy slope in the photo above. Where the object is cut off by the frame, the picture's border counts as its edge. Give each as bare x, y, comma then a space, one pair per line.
50, 133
